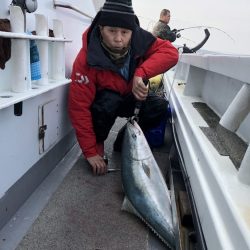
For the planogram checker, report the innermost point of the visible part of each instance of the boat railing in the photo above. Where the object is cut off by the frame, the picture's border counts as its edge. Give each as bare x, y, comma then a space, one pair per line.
209, 97
18, 87
207, 77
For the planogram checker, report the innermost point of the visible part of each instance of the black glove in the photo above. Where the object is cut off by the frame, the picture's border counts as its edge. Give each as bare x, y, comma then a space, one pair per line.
174, 30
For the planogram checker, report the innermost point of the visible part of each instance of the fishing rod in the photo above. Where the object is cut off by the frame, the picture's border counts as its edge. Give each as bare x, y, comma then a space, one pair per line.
207, 27
197, 47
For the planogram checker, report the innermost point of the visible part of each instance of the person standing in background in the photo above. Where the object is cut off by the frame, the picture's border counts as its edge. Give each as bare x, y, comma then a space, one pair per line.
162, 29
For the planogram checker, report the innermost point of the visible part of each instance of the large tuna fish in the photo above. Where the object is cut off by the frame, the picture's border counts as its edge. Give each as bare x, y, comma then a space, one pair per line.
146, 192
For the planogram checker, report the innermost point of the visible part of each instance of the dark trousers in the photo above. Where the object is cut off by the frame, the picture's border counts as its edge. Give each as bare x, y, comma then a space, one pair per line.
108, 105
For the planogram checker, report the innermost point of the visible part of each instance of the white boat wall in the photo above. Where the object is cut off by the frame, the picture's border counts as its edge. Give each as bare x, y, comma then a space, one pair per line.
209, 97
35, 132
210, 102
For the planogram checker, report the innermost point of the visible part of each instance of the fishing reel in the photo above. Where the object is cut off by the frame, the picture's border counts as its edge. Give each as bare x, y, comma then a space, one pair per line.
26, 5
176, 32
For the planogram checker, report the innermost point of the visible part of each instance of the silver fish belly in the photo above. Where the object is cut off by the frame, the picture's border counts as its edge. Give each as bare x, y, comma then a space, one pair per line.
144, 185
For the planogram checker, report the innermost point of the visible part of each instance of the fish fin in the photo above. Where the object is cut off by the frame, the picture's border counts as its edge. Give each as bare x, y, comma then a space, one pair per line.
128, 207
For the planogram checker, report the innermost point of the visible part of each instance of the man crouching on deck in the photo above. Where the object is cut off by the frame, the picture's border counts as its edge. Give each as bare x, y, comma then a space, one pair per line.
107, 78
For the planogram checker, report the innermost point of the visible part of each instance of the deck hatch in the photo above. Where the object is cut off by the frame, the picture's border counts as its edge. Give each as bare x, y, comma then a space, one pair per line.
48, 125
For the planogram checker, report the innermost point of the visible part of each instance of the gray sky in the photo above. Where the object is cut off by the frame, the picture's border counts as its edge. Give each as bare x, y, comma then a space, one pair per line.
230, 19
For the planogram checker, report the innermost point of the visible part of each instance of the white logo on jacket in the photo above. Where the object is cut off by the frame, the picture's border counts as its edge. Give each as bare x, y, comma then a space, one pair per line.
81, 79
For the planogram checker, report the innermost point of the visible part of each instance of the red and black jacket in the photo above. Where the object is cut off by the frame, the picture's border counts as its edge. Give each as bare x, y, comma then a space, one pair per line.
93, 71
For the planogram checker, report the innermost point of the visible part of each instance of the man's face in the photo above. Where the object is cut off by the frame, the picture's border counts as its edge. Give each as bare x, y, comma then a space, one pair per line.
167, 18
116, 38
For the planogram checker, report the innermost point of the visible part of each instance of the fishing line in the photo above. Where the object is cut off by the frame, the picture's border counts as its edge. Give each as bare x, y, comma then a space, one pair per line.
208, 27
175, 73
151, 22
172, 120
187, 39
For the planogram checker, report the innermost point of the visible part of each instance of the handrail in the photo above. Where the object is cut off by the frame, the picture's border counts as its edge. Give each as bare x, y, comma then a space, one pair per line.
70, 6
15, 35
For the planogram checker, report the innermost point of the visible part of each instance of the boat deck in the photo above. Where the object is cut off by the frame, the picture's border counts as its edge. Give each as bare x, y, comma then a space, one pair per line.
72, 209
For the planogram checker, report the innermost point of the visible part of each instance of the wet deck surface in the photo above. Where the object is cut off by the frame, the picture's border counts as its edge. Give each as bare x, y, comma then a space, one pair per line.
227, 143
85, 211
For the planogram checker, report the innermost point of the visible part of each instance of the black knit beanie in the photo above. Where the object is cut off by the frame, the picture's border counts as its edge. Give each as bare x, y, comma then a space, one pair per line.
118, 13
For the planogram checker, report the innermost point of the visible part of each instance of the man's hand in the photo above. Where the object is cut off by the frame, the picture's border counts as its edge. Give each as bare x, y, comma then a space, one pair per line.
139, 90
176, 32
98, 165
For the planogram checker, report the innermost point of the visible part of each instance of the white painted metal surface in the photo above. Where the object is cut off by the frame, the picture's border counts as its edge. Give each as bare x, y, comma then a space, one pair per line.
43, 48
237, 110
20, 82
244, 172
222, 199
15, 35
19, 142
221, 192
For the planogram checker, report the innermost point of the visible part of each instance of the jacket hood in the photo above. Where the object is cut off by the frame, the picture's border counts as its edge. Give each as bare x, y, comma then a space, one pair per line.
140, 42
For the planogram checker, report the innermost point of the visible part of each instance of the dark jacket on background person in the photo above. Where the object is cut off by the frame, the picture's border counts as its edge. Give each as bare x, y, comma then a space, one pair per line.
163, 31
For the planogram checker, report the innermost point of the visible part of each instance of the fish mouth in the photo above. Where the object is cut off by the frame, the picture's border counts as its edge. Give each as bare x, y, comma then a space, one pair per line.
135, 129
